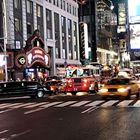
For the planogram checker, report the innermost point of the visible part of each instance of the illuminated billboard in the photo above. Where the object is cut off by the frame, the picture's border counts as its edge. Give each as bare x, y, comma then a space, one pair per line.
134, 11
135, 36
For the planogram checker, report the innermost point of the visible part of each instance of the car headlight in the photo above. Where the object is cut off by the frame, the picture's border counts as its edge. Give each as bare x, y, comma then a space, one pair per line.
103, 90
45, 89
85, 80
122, 89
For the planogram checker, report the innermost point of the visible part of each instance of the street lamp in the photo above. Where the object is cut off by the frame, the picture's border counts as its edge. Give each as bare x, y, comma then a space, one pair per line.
5, 38
111, 5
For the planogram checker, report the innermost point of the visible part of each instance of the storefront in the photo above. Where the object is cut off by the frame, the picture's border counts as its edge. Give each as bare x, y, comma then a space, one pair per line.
9, 65
32, 62
38, 63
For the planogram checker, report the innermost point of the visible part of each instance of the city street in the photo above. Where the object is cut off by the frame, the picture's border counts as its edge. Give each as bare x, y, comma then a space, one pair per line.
85, 117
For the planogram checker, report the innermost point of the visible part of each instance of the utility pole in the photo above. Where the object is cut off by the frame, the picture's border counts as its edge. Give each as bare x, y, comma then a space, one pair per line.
5, 38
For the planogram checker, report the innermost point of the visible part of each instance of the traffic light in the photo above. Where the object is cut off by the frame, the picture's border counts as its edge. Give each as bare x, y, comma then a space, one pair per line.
83, 41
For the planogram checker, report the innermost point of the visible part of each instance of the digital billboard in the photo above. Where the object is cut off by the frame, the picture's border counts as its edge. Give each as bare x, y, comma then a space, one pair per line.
134, 11
135, 36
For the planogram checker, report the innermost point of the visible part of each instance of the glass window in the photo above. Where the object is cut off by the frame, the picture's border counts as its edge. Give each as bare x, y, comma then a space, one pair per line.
75, 41
17, 4
64, 5
49, 24
29, 7
29, 28
17, 24
57, 35
38, 11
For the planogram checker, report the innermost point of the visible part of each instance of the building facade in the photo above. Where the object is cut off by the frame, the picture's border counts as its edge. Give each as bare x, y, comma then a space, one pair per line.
102, 29
57, 21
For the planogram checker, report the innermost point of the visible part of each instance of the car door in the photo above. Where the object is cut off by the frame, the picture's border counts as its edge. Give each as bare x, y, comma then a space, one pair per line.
134, 87
15, 88
30, 87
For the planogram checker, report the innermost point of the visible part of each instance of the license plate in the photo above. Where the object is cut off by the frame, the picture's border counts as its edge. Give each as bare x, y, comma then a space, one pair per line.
111, 94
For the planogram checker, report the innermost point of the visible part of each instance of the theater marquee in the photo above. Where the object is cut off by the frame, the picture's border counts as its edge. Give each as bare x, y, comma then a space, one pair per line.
37, 55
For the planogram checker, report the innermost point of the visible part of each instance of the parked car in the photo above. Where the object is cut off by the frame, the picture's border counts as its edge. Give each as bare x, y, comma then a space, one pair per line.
23, 88
123, 87
55, 86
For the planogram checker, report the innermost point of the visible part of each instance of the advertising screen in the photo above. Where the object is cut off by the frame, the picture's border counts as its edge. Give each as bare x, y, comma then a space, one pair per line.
135, 36
134, 11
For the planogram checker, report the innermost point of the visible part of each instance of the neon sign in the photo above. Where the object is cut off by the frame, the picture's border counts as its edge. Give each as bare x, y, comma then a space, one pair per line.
37, 54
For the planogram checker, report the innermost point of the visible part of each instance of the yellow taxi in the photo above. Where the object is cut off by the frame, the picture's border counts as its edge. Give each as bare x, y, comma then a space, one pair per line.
123, 87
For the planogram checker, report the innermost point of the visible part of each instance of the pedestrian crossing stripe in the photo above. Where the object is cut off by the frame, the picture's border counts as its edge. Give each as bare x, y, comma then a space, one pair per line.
124, 103
65, 104
60, 104
137, 104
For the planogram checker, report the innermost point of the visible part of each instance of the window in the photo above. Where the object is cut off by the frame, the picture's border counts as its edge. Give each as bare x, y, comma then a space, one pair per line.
29, 7
57, 35
64, 5
17, 4
38, 11
75, 41
17, 25
29, 28
49, 23
70, 38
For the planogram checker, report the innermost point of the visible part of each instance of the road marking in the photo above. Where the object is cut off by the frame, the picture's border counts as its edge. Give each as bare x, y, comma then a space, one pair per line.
3, 104
109, 103
94, 103
124, 103
4, 131
5, 111
137, 104
42, 107
65, 104
22, 105
80, 103
35, 105
10, 105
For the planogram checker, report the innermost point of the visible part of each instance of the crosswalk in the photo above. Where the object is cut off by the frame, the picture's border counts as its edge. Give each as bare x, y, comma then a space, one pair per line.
31, 107
60, 104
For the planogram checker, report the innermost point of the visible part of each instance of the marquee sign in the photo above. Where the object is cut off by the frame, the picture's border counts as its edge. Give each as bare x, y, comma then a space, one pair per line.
37, 55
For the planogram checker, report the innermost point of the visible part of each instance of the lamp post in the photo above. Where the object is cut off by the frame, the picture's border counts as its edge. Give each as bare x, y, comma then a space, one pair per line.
5, 38
111, 5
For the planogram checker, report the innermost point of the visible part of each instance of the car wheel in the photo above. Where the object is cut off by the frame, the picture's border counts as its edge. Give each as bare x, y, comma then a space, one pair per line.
138, 94
40, 94
128, 96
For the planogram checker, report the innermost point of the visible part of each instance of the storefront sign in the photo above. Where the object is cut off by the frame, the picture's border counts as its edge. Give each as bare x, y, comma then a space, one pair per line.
122, 14
9, 57
20, 60
37, 55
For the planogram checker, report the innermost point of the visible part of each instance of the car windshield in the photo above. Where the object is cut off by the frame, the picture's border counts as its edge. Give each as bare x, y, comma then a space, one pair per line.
118, 82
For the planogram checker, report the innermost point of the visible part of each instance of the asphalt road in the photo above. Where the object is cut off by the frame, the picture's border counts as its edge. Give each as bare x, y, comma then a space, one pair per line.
70, 118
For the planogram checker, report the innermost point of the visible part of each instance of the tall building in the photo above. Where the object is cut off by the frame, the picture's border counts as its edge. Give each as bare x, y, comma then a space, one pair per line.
57, 21
102, 29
